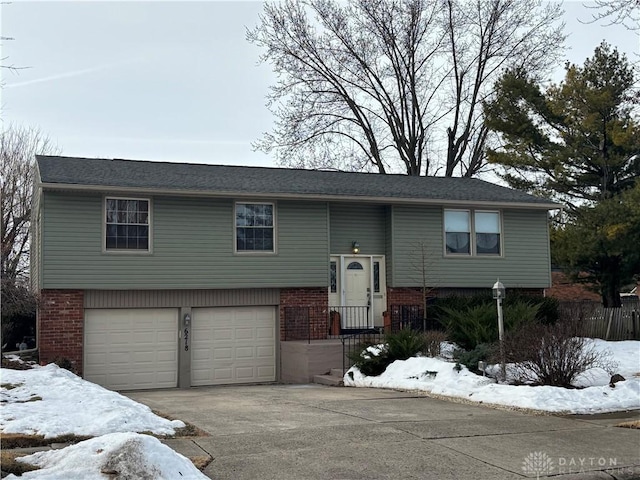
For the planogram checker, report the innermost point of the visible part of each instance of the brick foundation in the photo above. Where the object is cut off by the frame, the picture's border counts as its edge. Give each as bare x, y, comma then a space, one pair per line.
413, 295
305, 322
404, 296
61, 326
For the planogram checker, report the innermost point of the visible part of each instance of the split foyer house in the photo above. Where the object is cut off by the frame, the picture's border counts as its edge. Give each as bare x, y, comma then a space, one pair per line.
159, 274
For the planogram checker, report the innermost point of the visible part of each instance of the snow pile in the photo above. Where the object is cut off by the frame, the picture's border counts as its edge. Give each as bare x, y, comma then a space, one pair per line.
127, 455
51, 401
438, 376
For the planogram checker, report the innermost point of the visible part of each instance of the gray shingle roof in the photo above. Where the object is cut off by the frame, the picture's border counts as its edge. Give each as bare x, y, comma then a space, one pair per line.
259, 181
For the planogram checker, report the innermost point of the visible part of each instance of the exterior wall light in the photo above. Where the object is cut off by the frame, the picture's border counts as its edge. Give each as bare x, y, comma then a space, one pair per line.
355, 247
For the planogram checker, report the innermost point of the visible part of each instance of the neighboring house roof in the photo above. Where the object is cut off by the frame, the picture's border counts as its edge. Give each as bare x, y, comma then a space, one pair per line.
564, 289
239, 181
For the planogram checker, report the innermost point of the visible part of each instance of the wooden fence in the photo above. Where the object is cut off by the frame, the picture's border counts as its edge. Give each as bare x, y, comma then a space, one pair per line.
607, 323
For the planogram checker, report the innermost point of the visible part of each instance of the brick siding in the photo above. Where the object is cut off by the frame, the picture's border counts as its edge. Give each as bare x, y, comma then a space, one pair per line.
317, 317
404, 296
61, 326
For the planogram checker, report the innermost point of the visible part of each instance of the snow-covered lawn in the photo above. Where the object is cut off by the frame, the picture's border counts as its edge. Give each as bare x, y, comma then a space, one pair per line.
131, 455
439, 376
51, 402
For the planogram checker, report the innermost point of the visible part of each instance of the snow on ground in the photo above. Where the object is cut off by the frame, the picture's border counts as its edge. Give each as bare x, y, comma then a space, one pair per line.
438, 376
131, 455
70, 405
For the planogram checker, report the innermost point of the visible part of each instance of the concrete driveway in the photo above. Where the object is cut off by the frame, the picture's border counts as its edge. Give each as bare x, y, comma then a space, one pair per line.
315, 432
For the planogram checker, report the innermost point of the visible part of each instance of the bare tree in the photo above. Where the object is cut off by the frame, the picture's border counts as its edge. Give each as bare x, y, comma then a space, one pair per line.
483, 39
617, 12
3, 64
18, 147
380, 86
424, 266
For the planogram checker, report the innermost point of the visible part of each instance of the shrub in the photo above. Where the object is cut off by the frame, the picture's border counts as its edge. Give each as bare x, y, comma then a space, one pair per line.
473, 325
64, 362
373, 359
18, 316
552, 354
405, 343
470, 358
547, 313
433, 340
370, 359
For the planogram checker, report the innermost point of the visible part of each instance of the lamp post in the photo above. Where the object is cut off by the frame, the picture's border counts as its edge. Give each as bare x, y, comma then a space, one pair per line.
499, 293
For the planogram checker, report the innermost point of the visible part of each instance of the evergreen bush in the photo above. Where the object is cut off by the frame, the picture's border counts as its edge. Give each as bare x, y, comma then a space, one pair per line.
473, 325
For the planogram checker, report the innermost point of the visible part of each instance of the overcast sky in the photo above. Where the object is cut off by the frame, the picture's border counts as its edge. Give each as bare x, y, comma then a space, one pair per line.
173, 81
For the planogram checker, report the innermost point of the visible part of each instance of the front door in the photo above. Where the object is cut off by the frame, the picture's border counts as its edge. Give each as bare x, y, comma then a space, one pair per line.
357, 293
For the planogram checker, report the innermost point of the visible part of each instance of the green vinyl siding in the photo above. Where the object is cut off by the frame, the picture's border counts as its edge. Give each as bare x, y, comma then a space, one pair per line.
35, 245
192, 242
388, 240
525, 262
362, 223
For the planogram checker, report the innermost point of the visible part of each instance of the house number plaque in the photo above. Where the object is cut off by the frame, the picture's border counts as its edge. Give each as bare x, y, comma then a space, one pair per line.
187, 324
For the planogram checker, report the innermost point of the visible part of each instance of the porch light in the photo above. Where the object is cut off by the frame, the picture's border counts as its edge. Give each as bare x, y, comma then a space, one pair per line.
499, 293
355, 247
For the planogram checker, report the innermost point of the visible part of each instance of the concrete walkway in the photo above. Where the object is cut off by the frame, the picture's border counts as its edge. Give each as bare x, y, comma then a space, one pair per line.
315, 432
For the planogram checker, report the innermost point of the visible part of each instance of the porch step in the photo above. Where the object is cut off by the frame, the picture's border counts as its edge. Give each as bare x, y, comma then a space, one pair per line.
331, 380
337, 372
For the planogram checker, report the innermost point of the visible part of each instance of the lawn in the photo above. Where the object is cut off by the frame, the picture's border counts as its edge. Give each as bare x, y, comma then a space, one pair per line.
107, 432
592, 392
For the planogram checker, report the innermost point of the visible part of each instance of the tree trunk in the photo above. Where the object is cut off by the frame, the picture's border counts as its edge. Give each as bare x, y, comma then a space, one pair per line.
610, 282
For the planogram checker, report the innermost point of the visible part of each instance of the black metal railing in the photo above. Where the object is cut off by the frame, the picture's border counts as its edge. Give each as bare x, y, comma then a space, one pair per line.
397, 317
357, 342
354, 326
320, 323
411, 316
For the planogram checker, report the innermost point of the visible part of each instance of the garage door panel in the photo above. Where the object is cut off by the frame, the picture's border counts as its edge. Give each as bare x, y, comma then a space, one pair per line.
131, 348
223, 354
265, 352
220, 334
240, 342
245, 353
221, 375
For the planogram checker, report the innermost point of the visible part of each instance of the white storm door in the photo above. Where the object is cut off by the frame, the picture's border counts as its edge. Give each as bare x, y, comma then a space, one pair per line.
357, 292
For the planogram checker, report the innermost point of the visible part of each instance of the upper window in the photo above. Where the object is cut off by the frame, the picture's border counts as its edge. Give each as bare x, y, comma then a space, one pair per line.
127, 224
254, 227
469, 232
457, 229
487, 227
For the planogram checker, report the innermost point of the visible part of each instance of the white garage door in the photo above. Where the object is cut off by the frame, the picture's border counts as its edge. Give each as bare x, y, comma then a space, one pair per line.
233, 345
127, 349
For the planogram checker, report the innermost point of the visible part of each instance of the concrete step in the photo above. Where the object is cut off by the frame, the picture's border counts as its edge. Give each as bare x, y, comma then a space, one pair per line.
337, 372
330, 380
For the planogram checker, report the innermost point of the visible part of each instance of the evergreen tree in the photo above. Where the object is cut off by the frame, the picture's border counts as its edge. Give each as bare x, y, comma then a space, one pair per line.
578, 142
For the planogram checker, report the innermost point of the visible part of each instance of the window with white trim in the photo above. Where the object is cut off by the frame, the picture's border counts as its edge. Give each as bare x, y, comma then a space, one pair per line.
487, 229
457, 228
255, 227
127, 224
472, 232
